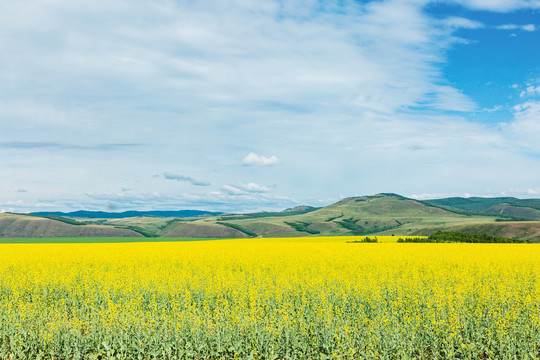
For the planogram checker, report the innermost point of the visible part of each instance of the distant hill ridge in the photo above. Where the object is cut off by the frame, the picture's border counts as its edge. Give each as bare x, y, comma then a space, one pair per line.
127, 214
379, 214
505, 207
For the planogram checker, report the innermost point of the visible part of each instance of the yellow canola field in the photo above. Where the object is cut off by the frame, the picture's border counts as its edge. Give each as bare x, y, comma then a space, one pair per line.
268, 299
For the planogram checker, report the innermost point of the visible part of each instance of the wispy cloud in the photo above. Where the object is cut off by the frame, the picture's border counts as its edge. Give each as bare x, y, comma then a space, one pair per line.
498, 5
528, 27
241, 189
28, 145
440, 195
525, 128
252, 187
493, 109
36, 145
259, 160
213, 200
182, 178
530, 91
463, 23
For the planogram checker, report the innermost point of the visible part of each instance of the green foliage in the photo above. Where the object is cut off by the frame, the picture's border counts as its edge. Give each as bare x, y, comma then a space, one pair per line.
351, 225
173, 221
334, 218
460, 237
504, 218
140, 230
63, 219
367, 239
355, 229
302, 226
237, 227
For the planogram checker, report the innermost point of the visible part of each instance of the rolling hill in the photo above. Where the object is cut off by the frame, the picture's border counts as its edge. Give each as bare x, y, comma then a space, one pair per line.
504, 207
383, 214
125, 214
26, 226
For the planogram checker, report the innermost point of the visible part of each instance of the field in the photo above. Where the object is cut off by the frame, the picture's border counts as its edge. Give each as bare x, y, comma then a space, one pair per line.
292, 298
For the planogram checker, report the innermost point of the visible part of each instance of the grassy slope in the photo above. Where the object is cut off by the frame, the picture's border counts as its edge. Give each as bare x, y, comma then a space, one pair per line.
515, 211
384, 214
24, 226
199, 229
472, 204
523, 209
380, 214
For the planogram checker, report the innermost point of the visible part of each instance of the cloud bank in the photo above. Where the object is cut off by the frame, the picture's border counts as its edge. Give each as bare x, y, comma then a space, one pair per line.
347, 97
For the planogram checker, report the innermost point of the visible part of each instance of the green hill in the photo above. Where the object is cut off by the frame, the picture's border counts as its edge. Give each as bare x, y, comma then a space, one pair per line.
472, 204
505, 207
27, 226
382, 214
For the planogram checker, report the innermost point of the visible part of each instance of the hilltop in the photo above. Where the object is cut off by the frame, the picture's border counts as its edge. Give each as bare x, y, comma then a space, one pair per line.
383, 214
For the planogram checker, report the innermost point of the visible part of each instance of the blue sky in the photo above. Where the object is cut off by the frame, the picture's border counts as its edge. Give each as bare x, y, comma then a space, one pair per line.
238, 105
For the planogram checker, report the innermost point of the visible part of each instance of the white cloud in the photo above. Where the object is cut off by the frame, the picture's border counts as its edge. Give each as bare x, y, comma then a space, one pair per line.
528, 27
525, 129
433, 196
530, 91
449, 98
252, 187
464, 23
231, 199
233, 190
493, 109
499, 5
508, 27
259, 160
242, 189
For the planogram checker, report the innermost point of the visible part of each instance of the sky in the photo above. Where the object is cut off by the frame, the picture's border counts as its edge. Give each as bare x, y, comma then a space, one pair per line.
248, 105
